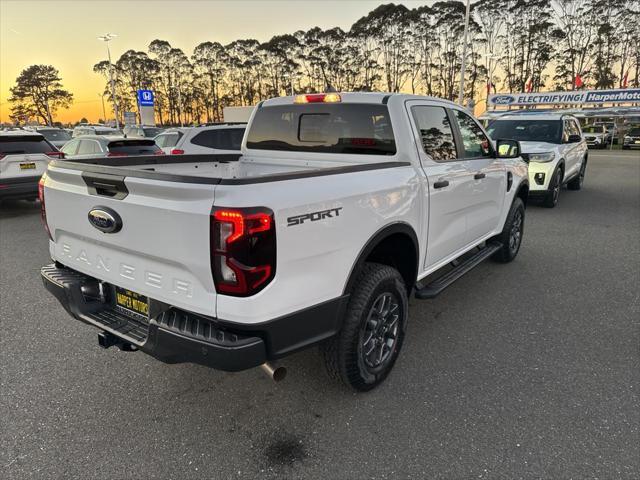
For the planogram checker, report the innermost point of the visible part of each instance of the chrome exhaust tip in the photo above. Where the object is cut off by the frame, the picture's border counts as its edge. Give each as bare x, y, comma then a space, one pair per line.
273, 371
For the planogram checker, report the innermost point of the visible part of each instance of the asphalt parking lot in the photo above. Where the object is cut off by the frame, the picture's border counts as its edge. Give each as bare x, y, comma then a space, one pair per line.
526, 370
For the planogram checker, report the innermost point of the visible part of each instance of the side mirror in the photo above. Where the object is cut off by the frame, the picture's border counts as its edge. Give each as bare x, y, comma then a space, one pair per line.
574, 138
507, 148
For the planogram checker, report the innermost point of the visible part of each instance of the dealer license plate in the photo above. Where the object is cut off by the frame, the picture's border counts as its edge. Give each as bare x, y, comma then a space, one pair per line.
132, 304
28, 166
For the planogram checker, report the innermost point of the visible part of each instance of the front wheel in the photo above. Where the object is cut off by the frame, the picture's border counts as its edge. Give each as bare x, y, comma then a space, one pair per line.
551, 198
576, 183
363, 353
511, 236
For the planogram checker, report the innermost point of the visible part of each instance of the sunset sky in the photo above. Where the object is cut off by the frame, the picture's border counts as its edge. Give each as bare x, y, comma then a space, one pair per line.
63, 34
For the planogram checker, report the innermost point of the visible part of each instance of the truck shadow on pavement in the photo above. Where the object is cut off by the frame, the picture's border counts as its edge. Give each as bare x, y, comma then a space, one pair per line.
18, 208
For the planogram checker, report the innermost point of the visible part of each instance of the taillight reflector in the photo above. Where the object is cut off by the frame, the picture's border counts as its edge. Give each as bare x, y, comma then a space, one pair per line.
43, 209
116, 154
55, 154
177, 151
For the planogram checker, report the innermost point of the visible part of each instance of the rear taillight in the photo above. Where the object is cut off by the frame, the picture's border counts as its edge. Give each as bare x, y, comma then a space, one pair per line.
243, 250
177, 151
159, 152
55, 154
43, 210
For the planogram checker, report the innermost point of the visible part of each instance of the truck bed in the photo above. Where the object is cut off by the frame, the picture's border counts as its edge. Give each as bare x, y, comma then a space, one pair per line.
224, 169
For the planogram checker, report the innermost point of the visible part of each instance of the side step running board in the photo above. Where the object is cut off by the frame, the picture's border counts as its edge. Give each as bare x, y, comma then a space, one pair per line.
439, 284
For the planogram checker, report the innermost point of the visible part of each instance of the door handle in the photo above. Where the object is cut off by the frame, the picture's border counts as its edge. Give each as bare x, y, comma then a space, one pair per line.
479, 176
441, 184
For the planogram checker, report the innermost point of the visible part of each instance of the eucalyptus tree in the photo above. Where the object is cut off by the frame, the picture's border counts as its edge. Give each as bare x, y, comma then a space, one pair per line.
575, 32
389, 26
209, 60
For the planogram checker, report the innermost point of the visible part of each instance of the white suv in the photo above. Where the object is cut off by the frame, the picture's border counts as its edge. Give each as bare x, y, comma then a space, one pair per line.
554, 147
212, 139
24, 156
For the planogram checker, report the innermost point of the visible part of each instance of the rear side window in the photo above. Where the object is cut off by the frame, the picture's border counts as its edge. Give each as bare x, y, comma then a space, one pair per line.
323, 128
10, 145
435, 132
134, 147
88, 147
474, 142
220, 138
168, 139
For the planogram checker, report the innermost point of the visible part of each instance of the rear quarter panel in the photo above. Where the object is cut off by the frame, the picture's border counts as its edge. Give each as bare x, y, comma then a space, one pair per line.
315, 258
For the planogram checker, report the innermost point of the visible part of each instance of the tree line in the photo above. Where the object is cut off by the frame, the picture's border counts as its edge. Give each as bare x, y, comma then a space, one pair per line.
514, 45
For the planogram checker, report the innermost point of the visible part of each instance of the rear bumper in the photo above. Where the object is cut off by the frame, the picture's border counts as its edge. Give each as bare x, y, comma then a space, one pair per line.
19, 187
176, 336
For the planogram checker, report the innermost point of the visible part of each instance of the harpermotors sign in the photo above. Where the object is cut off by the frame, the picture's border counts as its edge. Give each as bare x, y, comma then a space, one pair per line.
562, 98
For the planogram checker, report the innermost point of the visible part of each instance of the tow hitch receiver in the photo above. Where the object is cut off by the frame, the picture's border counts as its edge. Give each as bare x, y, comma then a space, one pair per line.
106, 340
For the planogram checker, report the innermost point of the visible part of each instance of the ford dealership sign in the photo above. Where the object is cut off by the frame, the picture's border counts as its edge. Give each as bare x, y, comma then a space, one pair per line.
563, 98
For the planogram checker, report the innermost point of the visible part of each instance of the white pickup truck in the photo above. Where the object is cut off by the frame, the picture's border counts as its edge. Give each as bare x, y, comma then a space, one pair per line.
338, 207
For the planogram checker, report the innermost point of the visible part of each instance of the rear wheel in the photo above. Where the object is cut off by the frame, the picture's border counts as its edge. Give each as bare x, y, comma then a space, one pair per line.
551, 198
511, 236
363, 353
576, 183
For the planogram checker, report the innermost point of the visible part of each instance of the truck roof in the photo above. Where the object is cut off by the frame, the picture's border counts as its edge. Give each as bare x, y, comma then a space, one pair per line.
361, 97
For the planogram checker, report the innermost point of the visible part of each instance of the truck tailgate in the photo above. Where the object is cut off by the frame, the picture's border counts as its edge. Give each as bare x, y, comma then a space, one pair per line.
162, 250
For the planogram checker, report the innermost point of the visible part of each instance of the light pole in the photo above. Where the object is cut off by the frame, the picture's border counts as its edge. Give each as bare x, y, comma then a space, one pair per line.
489, 56
104, 112
464, 53
106, 38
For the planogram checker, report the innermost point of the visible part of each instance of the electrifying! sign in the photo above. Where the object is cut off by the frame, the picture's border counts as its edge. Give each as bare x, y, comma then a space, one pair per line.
563, 98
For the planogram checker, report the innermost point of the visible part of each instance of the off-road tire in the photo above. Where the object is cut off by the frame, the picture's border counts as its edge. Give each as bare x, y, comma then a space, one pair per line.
343, 354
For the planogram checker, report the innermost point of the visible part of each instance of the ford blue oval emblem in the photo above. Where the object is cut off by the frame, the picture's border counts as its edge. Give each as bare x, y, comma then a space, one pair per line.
503, 99
105, 219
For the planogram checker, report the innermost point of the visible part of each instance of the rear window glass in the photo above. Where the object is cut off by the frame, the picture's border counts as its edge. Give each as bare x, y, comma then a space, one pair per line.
549, 131
220, 138
151, 132
634, 132
24, 144
323, 128
137, 147
55, 135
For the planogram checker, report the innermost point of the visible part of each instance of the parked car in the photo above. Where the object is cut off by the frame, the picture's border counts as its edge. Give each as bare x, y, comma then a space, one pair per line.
98, 146
94, 130
142, 131
612, 129
597, 136
168, 139
340, 206
56, 136
632, 138
24, 156
555, 148
215, 138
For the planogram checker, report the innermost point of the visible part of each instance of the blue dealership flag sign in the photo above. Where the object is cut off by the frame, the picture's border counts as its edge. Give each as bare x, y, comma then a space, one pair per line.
145, 98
